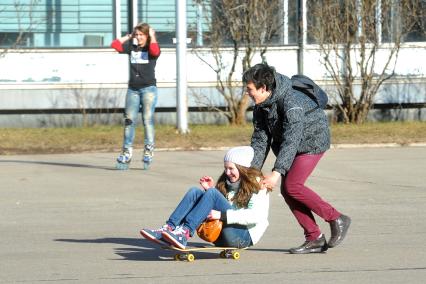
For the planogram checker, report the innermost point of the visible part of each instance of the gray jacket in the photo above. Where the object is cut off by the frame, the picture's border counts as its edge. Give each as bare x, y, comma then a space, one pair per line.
281, 123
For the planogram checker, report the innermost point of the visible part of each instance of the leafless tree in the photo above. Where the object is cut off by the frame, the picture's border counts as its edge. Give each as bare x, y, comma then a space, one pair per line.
360, 41
26, 23
238, 30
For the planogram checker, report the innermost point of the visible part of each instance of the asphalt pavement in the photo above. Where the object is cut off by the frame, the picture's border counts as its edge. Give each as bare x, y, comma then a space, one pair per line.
73, 218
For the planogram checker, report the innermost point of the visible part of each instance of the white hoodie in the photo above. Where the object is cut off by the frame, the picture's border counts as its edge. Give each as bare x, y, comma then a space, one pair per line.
255, 216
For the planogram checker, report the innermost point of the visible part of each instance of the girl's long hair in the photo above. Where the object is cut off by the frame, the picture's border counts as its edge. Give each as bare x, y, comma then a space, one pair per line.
248, 185
143, 28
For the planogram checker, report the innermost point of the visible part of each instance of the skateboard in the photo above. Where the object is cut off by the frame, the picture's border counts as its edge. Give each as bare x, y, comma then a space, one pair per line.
187, 254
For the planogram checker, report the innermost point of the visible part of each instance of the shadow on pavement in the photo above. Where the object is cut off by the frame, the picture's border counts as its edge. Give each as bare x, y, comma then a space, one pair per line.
58, 164
271, 250
142, 250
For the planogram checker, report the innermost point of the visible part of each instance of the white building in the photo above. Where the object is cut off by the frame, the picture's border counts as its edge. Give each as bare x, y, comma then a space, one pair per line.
63, 65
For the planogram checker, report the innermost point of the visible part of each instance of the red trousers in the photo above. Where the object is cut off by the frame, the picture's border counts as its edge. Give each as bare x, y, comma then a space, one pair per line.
302, 200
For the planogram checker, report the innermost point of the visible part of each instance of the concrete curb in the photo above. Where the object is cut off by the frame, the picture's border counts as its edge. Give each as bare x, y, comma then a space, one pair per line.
333, 146
376, 145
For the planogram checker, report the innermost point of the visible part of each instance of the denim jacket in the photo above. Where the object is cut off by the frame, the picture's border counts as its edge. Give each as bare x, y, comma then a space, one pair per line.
285, 123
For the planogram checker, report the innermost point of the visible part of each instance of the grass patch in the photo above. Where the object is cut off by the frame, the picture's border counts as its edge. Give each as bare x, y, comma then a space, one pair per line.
109, 138
383, 132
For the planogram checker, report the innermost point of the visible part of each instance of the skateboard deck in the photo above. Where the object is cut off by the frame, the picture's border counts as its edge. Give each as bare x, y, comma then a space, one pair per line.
187, 254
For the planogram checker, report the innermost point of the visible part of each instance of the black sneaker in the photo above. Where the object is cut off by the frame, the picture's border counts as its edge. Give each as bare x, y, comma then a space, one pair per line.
339, 228
315, 246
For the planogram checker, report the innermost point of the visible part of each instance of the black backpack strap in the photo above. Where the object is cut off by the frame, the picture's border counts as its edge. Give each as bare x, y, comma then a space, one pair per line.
312, 110
308, 87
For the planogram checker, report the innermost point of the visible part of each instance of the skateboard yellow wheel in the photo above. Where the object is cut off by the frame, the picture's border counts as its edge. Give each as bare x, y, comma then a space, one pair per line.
222, 254
177, 257
236, 255
191, 257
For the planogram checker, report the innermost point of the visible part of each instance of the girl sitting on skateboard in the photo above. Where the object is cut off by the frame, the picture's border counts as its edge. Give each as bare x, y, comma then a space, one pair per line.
237, 199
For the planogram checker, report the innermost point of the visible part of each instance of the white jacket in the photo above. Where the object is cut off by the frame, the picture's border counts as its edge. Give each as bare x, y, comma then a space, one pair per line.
255, 216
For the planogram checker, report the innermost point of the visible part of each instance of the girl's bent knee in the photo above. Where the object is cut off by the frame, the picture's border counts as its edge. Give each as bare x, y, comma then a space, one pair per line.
211, 192
128, 121
194, 190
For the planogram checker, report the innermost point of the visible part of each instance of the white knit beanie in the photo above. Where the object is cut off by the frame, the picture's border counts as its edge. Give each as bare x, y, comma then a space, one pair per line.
242, 155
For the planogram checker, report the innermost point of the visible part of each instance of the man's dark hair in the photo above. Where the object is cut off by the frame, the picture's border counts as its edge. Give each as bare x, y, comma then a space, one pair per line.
261, 75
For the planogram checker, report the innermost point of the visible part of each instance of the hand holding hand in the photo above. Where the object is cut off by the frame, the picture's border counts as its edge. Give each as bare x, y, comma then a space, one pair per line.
270, 181
206, 182
214, 215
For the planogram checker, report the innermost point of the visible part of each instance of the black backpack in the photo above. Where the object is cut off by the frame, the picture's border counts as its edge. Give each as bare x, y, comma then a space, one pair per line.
308, 87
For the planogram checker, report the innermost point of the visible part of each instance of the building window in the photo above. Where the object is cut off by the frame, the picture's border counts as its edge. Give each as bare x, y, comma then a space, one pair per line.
57, 23
90, 23
376, 20
272, 22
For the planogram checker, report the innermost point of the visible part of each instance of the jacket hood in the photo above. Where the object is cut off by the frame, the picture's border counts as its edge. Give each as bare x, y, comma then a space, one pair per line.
282, 88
